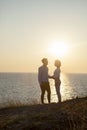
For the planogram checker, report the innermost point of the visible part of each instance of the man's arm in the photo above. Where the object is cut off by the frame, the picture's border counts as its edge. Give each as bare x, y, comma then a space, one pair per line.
51, 77
39, 75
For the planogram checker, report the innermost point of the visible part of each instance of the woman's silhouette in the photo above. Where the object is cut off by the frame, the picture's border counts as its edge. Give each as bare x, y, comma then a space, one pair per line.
56, 77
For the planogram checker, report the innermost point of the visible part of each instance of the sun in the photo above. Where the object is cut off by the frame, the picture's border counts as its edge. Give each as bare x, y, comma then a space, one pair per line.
58, 49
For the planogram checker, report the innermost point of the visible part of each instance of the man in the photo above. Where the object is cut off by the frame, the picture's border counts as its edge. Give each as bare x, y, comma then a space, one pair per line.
43, 80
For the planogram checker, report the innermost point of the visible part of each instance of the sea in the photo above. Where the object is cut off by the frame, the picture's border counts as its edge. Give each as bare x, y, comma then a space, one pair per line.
23, 88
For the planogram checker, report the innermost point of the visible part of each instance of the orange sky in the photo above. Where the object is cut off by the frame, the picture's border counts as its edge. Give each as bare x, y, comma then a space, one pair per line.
29, 28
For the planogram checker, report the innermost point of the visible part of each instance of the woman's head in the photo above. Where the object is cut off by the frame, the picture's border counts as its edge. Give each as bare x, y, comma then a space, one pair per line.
57, 63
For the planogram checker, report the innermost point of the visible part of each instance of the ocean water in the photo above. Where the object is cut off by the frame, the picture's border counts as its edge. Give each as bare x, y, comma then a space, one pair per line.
24, 87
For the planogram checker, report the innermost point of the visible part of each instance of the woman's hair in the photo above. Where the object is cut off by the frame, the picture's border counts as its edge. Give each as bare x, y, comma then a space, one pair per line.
57, 63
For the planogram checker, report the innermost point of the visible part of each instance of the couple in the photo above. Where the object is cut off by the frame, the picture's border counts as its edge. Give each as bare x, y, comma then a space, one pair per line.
44, 82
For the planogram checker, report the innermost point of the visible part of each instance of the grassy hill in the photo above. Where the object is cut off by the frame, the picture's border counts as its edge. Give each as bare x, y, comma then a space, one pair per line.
68, 115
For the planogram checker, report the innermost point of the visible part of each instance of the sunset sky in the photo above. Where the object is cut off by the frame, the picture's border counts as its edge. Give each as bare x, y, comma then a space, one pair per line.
33, 29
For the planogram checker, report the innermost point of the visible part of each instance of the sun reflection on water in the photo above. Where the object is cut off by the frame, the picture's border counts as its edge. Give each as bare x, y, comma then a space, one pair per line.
65, 89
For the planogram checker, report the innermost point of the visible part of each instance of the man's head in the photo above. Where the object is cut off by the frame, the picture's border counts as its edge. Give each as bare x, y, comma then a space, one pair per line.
45, 61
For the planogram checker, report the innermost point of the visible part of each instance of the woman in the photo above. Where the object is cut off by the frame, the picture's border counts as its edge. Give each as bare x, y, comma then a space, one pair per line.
56, 77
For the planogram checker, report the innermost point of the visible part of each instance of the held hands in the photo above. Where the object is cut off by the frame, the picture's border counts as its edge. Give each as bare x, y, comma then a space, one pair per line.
52, 77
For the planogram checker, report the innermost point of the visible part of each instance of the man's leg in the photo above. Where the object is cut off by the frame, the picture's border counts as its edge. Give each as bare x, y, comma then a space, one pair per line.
42, 93
48, 92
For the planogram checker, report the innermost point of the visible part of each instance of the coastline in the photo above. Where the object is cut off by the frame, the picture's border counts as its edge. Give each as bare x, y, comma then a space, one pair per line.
68, 115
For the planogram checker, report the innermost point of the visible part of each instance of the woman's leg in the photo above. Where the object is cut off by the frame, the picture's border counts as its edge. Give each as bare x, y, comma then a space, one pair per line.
58, 92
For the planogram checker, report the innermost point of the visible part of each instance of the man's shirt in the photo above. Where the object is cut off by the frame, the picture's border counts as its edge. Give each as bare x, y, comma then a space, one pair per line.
43, 74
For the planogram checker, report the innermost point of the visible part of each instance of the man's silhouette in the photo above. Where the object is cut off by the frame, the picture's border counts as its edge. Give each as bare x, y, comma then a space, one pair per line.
43, 80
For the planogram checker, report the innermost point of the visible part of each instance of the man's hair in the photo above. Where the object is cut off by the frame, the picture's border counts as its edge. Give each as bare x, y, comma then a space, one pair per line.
44, 59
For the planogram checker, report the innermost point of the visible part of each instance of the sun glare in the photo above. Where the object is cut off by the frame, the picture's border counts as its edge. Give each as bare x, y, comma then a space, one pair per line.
58, 49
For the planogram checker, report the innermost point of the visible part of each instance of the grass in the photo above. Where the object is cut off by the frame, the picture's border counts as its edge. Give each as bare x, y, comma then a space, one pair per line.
69, 115
10, 104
